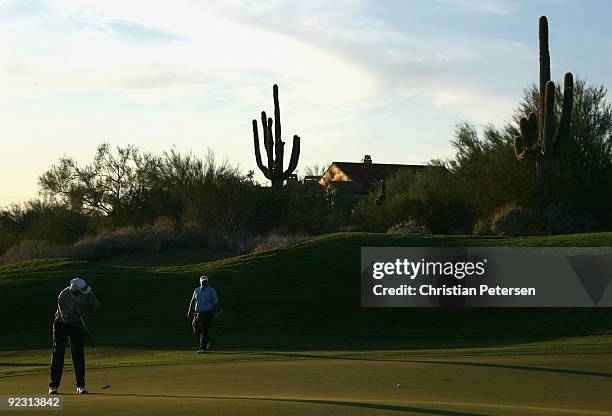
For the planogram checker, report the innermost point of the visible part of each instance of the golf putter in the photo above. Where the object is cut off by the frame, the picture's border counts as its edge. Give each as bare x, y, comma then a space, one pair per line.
218, 314
93, 346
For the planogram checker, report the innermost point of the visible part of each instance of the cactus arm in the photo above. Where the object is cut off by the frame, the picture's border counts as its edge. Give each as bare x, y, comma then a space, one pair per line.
524, 133
260, 164
544, 67
566, 111
270, 149
279, 147
519, 150
526, 142
532, 128
295, 156
264, 127
548, 133
268, 140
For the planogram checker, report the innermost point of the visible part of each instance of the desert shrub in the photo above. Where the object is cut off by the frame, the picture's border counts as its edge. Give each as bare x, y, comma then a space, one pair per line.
489, 176
198, 237
429, 198
150, 238
307, 211
222, 198
235, 208
123, 240
439, 202
10, 231
275, 240
512, 220
58, 225
111, 205
127, 187
38, 220
128, 240
486, 174
32, 249
369, 216
483, 226
408, 227
154, 238
558, 221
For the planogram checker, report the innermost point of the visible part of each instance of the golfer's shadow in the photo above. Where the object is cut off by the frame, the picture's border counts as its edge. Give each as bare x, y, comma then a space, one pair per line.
377, 406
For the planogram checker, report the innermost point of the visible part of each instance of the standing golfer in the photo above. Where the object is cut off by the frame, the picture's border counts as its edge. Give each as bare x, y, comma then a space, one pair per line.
205, 304
71, 303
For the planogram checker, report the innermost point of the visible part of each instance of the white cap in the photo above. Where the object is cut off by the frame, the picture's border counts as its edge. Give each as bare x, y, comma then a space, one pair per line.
78, 285
203, 278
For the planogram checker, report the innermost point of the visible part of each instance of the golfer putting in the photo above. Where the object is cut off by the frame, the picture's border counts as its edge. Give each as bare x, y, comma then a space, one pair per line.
203, 308
72, 302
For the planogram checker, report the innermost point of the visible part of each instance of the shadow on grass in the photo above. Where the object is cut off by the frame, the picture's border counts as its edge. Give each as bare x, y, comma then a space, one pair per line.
252, 339
521, 367
460, 363
42, 366
377, 406
4, 364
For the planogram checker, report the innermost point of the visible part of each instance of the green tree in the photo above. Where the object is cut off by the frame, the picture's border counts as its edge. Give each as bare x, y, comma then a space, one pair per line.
105, 185
486, 172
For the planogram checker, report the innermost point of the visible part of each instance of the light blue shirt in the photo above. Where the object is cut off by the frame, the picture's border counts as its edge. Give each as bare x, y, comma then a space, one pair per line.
205, 299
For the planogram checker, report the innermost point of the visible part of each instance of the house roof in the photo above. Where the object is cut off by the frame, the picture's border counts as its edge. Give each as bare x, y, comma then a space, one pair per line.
367, 173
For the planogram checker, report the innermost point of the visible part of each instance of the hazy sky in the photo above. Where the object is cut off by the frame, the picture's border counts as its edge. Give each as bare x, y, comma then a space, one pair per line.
387, 78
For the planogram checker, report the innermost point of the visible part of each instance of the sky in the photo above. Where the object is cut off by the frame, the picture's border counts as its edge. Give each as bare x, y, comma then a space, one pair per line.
386, 78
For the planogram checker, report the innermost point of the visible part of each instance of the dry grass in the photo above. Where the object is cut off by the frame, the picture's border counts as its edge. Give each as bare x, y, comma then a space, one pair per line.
161, 236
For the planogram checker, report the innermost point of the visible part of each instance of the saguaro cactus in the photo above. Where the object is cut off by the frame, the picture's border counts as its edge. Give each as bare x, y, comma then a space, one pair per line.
539, 136
275, 147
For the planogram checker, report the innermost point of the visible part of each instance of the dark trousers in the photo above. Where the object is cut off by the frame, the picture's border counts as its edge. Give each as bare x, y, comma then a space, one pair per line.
61, 333
201, 327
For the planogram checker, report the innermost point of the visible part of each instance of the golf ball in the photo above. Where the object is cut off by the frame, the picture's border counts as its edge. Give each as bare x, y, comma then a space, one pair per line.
398, 385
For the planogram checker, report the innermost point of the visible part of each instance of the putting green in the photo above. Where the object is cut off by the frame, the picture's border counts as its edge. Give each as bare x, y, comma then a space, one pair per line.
331, 383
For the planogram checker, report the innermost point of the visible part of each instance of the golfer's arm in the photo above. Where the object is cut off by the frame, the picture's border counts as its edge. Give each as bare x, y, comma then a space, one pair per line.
191, 307
216, 308
92, 300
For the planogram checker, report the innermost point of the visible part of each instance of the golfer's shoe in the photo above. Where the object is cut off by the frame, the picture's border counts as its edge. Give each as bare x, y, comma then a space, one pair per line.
201, 351
208, 345
52, 390
81, 390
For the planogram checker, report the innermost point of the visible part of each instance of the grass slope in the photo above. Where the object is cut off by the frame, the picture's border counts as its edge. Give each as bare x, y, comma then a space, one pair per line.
303, 296
169, 257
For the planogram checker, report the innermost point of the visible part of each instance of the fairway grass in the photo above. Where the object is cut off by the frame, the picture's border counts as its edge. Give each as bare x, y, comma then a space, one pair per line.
518, 380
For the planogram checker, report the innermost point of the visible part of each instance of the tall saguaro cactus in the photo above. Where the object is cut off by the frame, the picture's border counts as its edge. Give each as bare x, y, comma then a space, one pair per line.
275, 147
540, 138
